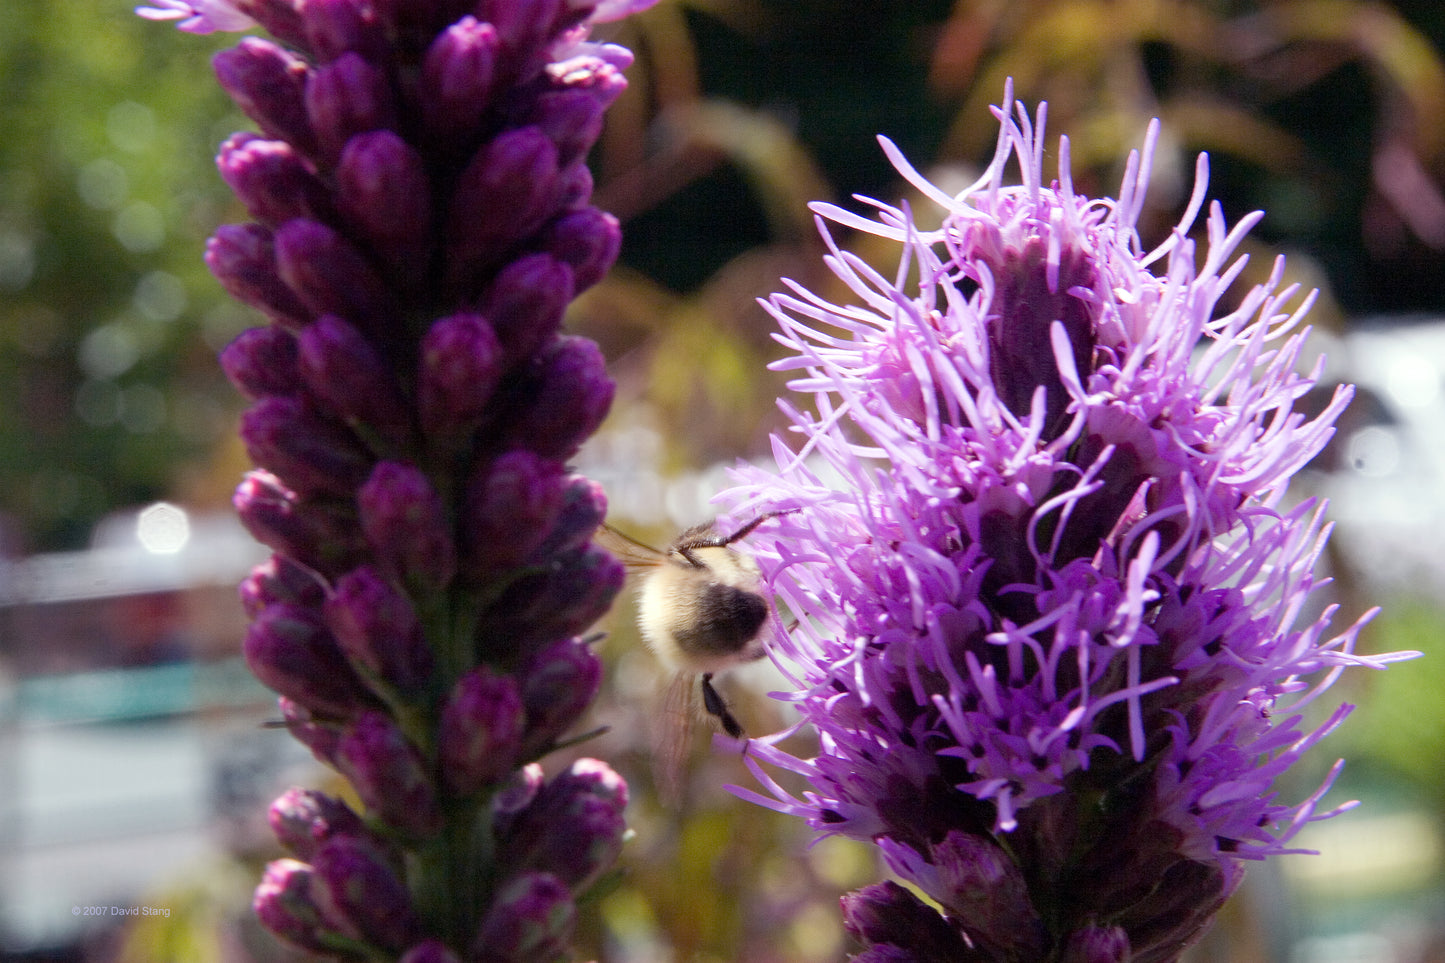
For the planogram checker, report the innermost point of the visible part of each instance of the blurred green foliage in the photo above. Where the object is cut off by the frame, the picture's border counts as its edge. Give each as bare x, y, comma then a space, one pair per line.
108, 318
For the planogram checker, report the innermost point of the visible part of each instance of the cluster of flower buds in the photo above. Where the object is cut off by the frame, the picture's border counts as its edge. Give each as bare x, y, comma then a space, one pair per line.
1047, 618
420, 213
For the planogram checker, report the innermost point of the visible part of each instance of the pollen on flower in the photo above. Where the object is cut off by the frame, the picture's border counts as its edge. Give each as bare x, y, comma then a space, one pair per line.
1051, 588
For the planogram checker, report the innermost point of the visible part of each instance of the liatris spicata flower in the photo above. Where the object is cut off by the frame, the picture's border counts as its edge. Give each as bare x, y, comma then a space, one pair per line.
419, 197
1048, 584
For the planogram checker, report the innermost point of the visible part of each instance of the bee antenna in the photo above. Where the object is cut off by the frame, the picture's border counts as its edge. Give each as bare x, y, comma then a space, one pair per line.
719, 541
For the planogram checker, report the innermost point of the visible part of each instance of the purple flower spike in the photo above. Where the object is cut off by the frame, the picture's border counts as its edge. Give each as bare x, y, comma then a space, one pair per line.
419, 197
388, 774
1047, 608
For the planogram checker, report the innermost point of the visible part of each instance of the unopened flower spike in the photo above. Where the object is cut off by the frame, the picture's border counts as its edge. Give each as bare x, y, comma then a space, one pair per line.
421, 218
1051, 604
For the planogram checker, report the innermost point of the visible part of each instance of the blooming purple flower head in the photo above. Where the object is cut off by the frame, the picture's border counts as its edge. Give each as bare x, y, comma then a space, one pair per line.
420, 220
1047, 582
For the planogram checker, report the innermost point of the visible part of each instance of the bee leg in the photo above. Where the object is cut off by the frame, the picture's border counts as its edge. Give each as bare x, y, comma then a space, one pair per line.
716, 707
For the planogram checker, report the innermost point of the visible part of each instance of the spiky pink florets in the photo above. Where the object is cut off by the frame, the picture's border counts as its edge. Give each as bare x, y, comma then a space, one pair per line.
1046, 579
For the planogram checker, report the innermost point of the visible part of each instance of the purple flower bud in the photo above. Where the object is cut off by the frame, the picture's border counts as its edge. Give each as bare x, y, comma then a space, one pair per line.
269, 85
1097, 944
575, 591
388, 775
572, 119
377, 630
461, 364
889, 915
505, 194
978, 883
320, 534
526, 302
1033, 294
284, 905
512, 504
354, 883
407, 527
309, 453
262, 362
572, 188
336, 27
320, 736
290, 651
584, 506
271, 179
385, 191
526, 24
347, 97
558, 684
279, 579
572, 393
430, 951
279, 18
531, 918
515, 796
574, 828
414, 17
346, 372
588, 240
331, 276
303, 819
481, 731
457, 79
243, 258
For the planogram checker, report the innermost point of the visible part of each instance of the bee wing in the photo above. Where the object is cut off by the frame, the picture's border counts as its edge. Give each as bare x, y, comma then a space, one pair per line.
673, 739
629, 551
